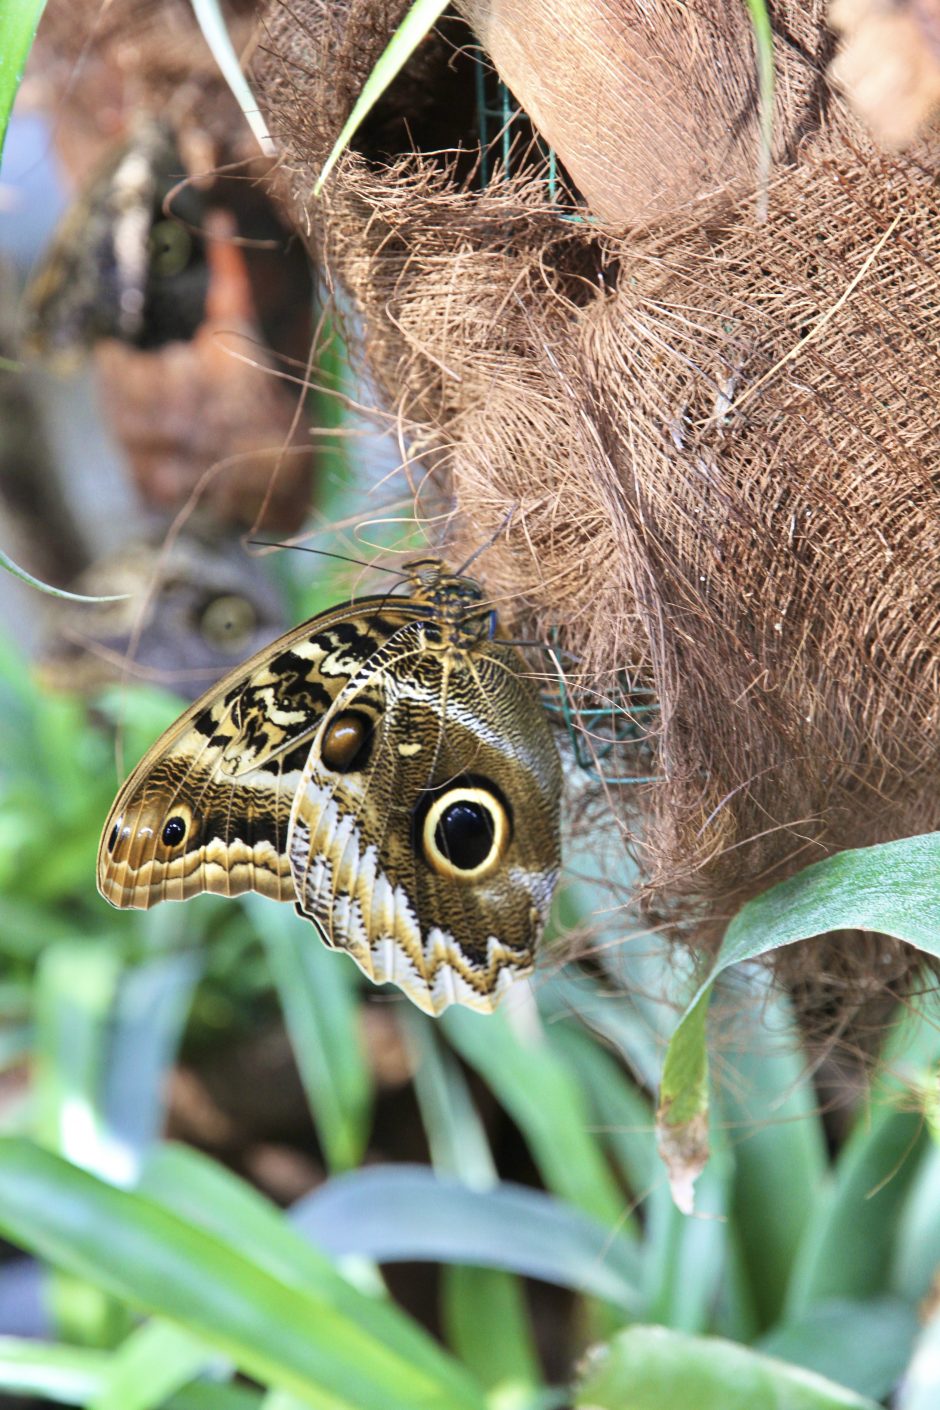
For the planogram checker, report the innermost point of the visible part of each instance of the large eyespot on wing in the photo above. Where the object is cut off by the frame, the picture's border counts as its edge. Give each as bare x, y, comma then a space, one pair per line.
432, 862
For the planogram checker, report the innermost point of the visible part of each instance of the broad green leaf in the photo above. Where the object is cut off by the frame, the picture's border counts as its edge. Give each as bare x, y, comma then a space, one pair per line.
653, 1368
318, 992
397, 1213
540, 1094
892, 889
864, 1345
418, 22
282, 1336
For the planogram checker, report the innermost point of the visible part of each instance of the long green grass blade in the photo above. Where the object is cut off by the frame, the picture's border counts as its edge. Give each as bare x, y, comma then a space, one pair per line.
849, 1247
215, 32
73, 1375
764, 50
487, 1324
454, 1131
70, 1375
769, 1112
18, 22
153, 1362
297, 1339
198, 1189
318, 992
544, 1100
418, 22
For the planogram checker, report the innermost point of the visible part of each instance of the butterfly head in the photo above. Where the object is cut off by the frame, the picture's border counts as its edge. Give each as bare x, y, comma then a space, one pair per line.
456, 604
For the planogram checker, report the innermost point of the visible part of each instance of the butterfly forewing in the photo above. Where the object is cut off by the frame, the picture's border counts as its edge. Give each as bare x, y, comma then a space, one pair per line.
207, 808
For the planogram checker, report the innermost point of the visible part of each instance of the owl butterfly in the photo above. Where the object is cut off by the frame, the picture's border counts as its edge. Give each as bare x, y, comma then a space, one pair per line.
387, 767
118, 267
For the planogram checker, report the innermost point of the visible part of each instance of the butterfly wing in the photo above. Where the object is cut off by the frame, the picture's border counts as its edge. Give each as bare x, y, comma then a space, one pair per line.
208, 807
432, 854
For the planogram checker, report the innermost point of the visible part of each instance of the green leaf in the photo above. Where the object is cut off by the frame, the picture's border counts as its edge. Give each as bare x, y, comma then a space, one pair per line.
454, 1131
18, 22
215, 32
892, 889
768, 1106
764, 49
318, 991
68, 1374
73, 1375
540, 1094
399, 1213
418, 22
75, 991
847, 1249
201, 1191
920, 1389
865, 1345
278, 1334
651, 1368
916, 1254
153, 1362
487, 1323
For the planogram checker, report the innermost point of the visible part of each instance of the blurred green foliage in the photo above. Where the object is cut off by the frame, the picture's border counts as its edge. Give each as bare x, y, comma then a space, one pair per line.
170, 1275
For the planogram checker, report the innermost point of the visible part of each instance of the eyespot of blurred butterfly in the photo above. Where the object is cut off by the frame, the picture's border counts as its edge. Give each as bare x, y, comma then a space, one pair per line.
118, 266
189, 613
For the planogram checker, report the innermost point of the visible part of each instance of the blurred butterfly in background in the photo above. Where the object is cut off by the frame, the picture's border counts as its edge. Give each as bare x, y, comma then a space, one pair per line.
118, 266
129, 259
388, 767
188, 612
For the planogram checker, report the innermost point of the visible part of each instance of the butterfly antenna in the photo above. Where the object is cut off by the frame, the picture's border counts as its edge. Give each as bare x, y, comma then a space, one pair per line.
325, 553
488, 543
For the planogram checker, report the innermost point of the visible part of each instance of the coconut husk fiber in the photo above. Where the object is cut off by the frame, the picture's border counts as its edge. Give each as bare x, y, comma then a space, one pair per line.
712, 409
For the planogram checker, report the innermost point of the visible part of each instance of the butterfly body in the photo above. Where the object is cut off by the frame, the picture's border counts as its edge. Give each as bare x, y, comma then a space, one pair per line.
389, 769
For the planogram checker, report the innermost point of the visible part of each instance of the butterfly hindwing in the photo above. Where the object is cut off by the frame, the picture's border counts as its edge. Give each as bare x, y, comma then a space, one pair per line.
432, 858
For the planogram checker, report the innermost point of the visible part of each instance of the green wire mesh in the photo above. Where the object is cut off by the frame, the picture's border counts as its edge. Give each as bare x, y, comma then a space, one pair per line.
619, 727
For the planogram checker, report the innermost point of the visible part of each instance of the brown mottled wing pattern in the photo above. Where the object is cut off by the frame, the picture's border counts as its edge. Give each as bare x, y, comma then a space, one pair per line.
441, 714
208, 807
